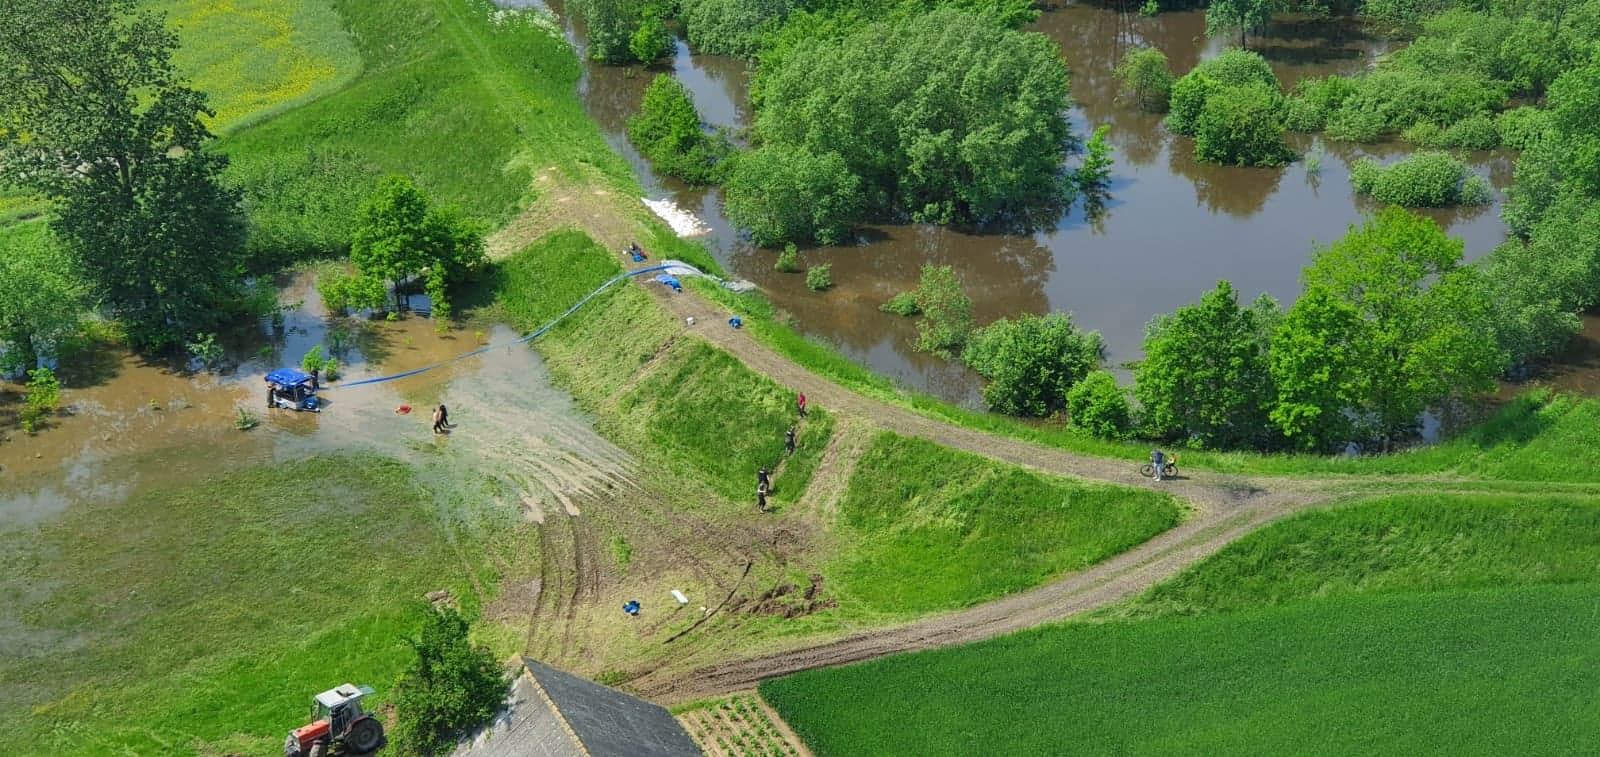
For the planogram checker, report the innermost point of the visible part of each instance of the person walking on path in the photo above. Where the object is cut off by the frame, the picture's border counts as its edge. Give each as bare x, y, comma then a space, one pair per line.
761, 497
788, 441
762, 478
800, 404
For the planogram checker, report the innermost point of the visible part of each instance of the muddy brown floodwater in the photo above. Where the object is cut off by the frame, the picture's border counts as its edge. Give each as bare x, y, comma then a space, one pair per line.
1172, 229
134, 425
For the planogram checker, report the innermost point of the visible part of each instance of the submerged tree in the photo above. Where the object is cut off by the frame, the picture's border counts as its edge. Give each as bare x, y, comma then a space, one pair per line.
95, 117
1032, 362
399, 235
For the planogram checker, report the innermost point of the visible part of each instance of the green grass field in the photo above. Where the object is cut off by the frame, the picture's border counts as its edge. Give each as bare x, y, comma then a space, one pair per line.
200, 619
930, 528
1508, 671
257, 58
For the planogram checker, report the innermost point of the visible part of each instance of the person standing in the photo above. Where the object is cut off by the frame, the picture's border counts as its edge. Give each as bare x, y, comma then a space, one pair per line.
761, 497
788, 441
800, 404
438, 420
1158, 460
762, 478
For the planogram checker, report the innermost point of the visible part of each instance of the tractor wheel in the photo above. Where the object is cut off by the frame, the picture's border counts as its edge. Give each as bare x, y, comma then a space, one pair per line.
319, 749
365, 735
290, 748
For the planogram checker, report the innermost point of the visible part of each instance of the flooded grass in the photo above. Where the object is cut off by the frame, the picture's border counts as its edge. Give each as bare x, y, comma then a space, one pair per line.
201, 617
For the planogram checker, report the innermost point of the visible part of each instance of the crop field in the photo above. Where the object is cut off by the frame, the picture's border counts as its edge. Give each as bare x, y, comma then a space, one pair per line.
1432, 624
256, 58
738, 726
201, 617
935, 529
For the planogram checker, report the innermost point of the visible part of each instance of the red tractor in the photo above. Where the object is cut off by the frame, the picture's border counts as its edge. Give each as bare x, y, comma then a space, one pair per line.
336, 720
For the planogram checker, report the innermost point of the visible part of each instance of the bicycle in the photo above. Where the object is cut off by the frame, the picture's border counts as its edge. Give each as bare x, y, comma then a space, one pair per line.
1169, 469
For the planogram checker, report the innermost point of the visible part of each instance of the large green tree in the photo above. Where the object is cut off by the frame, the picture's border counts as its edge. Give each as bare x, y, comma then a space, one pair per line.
450, 688
94, 116
1032, 362
667, 131
945, 117
1418, 344
1204, 376
399, 234
40, 298
783, 193
1317, 356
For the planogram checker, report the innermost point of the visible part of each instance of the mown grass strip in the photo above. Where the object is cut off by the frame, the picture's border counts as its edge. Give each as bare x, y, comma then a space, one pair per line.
1510, 671
931, 528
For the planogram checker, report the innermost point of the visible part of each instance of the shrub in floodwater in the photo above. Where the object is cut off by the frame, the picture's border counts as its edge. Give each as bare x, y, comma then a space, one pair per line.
819, 277
245, 420
1233, 68
42, 399
205, 350
788, 260
1424, 180
946, 311
667, 130
1100, 407
1475, 132
782, 194
1521, 127
1146, 79
1242, 125
1314, 161
731, 27
904, 303
313, 360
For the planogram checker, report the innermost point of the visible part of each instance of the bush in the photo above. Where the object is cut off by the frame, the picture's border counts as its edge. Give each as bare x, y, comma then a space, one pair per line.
1242, 125
731, 27
1093, 176
1475, 132
819, 277
42, 400
1098, 406
449, 689
945, 117
904, 304
667, 132
1146, 79
1424, 180
611, 26
1398, 97
651, 41
1521, 127
1233, 68
1031, 362
342, 292
1313, 99
788, 260
946, 311
789, 194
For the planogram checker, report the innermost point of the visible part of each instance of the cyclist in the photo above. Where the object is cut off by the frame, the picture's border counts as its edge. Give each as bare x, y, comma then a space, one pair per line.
1158, 460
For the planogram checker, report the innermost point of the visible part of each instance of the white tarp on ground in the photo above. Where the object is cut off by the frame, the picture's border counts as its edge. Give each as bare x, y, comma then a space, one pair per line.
683, 223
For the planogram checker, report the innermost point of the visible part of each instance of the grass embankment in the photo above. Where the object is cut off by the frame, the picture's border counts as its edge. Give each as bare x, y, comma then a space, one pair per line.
696, 410
1377, 641
931, 528
201, 619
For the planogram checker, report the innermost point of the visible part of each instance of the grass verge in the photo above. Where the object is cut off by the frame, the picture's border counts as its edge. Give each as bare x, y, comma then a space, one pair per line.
1491, 672
932, 528
199, 619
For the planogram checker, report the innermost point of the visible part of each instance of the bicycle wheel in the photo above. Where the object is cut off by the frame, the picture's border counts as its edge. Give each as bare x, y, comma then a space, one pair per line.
1147, 470
1169, 471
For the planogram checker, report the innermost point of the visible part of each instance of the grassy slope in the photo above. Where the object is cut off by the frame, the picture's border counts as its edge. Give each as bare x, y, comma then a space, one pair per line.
201, 618
1378, 635
933, 529
1510, 671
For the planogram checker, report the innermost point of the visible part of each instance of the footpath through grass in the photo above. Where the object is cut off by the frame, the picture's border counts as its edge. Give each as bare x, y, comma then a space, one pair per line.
931, 528
200, 619
1509, 671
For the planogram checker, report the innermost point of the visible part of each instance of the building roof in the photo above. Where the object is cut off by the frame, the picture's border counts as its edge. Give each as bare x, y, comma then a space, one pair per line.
553, 713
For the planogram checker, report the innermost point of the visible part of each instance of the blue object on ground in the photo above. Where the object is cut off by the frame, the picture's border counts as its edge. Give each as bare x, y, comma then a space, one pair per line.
735, 322
632, 607
638, 258
669, 281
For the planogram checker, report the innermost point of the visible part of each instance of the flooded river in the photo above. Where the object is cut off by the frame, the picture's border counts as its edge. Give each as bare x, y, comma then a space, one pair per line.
1173, 227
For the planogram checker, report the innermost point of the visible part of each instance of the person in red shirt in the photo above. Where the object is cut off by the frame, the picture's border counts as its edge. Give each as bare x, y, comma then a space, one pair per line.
800, 403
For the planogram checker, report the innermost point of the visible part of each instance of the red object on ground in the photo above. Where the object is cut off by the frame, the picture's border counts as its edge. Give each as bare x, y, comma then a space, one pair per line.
403, 409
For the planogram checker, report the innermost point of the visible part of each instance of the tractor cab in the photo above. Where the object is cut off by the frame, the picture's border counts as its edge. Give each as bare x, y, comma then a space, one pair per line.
293, 390
336, 718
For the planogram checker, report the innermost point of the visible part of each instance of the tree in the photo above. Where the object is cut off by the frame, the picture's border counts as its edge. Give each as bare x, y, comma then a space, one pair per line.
945, 117
1097, 405
1093, 177
398, 234
40, 298
1245, 15
667, 131
1233, 68
610, 27
1242, 125
946, 311
1146, 79
96, 118
1316, 358
449, 689
788, 194
1205, 376
1420, 345
651, 41
1032, 362
731, 27
42, 400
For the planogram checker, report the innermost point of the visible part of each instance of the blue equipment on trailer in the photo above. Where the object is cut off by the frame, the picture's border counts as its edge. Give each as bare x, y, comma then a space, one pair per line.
292, 389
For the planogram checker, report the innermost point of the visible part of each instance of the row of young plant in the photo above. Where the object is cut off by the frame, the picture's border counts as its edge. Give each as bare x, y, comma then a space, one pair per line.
143, 228
939, 112
1389, 325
